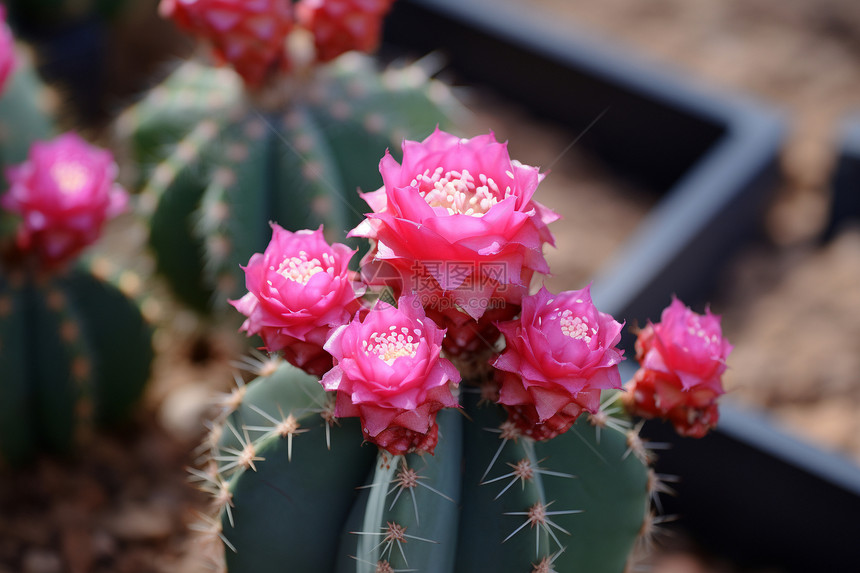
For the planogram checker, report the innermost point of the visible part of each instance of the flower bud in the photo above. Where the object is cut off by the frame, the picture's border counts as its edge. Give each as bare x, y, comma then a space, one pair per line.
64, 193
682, 359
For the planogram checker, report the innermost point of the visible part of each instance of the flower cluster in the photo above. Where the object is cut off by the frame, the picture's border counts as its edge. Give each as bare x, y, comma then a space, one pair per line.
456, 238
682, 359
252, 36
7, 49
456, 224
63, 193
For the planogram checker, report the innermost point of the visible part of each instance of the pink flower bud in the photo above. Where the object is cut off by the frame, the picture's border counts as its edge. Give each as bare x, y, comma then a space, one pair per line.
64, 193
457, 220
560, 354
299, 288
340, 26
7, 49
388, 371
250, 35
682, 360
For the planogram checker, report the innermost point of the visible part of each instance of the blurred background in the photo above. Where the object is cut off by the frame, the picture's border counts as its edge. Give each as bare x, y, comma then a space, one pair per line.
790, 301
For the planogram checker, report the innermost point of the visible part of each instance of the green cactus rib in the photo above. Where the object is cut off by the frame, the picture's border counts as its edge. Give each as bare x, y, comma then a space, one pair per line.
611, 488
488, 500
490, 450
17, 434
288, 507
98, 351
193, 94
217, 172
408, 514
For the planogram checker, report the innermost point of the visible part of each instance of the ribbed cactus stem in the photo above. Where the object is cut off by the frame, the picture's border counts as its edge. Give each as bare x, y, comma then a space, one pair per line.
99, 354
489, 499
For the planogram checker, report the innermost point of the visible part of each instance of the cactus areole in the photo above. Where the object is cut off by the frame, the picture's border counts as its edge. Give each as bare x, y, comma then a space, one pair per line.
508, 449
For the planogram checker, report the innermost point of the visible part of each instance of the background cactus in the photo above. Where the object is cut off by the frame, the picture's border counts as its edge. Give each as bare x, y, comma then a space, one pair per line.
74, 353
218, 163
488, 500
24, 114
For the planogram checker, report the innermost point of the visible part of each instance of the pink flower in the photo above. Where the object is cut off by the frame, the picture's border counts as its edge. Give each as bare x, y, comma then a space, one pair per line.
457, 219
7, 49
248, 34
682, 359
298, 290
388, 371
339, 26
560, 354
64, 193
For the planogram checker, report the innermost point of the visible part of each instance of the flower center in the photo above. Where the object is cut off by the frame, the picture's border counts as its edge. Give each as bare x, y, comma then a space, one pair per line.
300, 269
458, 192
70, 176
391, 345
574, 326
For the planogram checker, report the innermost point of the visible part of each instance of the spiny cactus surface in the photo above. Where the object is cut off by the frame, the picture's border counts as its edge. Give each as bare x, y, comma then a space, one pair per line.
293, 485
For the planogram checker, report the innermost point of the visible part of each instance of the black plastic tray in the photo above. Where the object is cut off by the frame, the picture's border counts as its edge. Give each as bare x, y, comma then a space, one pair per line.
846, 179
748, 492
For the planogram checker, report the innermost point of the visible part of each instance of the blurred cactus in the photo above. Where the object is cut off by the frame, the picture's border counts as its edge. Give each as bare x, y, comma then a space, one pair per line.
75, 354
24, 104
74, 351
219, 159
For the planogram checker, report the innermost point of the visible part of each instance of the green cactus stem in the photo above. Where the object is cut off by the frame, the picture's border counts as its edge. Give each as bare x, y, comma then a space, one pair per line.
489, 499
216, 166
25, 107
289, 472
75, 354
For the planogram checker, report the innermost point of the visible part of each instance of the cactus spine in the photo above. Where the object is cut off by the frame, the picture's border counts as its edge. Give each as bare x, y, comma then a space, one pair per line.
218, 164
488, 500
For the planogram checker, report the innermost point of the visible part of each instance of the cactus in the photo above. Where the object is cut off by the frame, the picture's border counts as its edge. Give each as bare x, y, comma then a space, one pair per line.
24, 113
75, 352
218, 160
503, 441
75, 355
503, 438
293, 487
